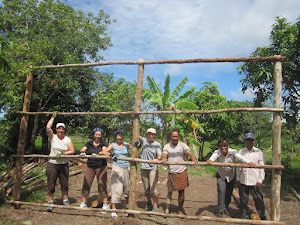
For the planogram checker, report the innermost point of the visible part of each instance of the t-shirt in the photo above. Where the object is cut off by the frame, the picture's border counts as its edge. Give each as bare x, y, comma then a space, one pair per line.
121, 152
176, 153
95, 163
59, 146
150, 151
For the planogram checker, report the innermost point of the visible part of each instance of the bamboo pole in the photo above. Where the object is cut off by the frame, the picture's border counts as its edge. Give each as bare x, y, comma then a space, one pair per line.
276, 143
218, 164
135, 136
227, 110
135, 212
22, 137
172, 61
294, 192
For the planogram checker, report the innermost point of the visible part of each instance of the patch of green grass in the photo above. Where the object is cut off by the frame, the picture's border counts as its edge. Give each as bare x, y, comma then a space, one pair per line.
35, 196
202, 171
38, 143
6, 221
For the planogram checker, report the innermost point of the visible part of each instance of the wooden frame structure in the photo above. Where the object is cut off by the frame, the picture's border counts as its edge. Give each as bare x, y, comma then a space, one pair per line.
276, 127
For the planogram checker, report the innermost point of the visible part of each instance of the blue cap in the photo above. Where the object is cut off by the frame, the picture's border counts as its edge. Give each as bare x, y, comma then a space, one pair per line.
118, 132
98, 129
249, 136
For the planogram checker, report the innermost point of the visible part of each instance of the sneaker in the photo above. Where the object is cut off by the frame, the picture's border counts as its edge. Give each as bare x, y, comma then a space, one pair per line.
154, 209
219, 214
66, 202
83, 205
105, 206
226, 212
114, 215
149, 206
125, 206
49, 208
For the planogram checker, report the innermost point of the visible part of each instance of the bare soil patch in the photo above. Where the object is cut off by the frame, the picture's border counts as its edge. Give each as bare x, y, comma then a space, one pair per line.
201, 199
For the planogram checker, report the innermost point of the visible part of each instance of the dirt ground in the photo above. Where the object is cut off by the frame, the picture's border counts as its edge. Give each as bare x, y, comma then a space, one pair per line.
201, 200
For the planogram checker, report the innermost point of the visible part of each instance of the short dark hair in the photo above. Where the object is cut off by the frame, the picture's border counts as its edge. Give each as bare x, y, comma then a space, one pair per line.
222, 140
175, 130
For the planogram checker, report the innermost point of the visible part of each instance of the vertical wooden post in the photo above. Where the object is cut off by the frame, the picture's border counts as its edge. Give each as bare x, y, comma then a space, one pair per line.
276, 143
22, 139
135, 135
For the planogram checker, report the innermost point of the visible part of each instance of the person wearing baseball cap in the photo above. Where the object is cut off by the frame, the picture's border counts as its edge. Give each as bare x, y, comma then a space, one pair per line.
151, 150
251, 179
58, 167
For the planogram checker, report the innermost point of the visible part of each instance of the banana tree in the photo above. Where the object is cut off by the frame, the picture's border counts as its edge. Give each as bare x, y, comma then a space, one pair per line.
167, 100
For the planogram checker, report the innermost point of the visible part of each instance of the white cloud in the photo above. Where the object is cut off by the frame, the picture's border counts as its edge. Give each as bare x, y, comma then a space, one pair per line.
238, 95
177, 29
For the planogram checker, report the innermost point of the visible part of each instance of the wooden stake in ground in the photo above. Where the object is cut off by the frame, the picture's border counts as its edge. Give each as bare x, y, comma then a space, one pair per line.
22, 138
135, 137
276, 143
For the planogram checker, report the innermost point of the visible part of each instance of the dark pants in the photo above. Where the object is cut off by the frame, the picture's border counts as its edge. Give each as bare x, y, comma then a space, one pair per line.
101, 175
224, 192
258, 199
54, 171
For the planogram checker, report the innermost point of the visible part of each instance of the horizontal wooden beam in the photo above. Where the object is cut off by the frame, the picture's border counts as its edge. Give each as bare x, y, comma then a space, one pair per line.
171, 61
159, 112
150, 161
135, 212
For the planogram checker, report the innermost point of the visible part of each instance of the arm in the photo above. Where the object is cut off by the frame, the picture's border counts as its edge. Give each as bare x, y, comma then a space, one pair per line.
193, 158
213, 157
106, 150
261, 177
49, 125
83, 149
71, 149
129, 146
156, 160
164, 157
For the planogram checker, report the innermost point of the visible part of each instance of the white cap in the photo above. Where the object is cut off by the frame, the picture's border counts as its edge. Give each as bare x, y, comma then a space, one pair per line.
151, 130
60, 125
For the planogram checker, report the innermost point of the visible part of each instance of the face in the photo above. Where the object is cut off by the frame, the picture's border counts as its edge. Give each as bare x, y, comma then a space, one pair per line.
97, 135
119, 137
223, 146
60, 130
174, 137
249, 143
151, 137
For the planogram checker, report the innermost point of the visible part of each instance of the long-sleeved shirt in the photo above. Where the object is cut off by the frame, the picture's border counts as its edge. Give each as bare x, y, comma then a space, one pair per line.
250, 176
227, 172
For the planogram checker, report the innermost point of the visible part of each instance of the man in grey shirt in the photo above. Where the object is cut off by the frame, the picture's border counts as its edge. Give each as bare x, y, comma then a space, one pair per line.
151, 150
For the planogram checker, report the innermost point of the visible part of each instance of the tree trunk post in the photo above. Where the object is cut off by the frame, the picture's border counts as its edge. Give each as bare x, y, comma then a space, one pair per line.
135, 136
276, 143
22, 139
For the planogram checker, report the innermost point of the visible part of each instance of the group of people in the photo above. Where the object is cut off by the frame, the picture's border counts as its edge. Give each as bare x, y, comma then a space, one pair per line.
248, 179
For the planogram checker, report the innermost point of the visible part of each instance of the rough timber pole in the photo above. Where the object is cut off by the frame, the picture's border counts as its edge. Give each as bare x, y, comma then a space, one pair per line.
276, 143
22, 138
135, 135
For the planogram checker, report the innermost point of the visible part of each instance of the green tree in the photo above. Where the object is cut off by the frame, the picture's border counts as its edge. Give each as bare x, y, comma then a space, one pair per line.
167, 100
211, 126
4, 61
112, 96
50, 32
284, 40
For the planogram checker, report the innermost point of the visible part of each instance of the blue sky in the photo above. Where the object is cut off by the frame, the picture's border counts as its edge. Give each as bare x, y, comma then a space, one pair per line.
183, 29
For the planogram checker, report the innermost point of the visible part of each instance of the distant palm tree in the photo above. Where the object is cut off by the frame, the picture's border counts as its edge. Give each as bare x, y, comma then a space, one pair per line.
167, 100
